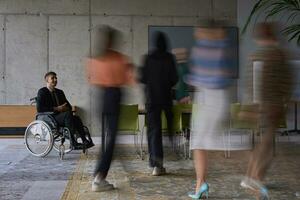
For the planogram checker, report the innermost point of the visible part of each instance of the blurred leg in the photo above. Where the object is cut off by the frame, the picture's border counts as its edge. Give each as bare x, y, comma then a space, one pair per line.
154, 136
262, 155
200, 163
111, 108
106, 158
169, 116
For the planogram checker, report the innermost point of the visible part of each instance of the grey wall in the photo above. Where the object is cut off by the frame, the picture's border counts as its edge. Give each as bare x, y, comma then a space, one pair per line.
41, 35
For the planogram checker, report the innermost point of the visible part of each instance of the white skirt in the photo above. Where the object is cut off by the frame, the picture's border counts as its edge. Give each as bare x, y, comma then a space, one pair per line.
210, 119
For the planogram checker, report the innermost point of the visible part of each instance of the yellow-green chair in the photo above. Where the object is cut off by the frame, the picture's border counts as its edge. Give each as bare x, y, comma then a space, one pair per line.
176, 126
239, 124
282, 125
186, 113
129, 123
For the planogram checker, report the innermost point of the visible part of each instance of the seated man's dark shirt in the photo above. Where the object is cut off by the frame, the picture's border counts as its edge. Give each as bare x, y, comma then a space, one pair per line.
47, 100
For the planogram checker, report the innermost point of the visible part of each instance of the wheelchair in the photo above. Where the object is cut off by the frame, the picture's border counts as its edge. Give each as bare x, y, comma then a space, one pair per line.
44, 134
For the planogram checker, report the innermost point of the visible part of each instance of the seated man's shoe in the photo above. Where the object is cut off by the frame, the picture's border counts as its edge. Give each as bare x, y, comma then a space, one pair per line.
91, 144
158, 171
88, 144
101, 186
78, 146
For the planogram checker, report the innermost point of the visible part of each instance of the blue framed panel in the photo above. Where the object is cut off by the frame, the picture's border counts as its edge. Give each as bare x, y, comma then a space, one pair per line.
183, 37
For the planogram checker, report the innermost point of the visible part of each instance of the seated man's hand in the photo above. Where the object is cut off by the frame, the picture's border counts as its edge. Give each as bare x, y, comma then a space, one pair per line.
65, 107
62, 108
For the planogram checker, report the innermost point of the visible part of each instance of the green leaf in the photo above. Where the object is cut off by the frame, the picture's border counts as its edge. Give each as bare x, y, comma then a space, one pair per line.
277, 8
294, 35
256, 8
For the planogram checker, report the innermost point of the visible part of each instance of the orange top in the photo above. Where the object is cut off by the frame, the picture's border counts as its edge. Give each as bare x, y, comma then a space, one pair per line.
111, 70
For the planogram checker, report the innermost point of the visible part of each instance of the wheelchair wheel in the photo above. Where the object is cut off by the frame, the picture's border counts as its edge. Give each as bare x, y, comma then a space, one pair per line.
67, 141
39, 138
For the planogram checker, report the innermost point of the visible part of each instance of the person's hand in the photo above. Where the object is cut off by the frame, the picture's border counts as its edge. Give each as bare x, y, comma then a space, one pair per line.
61, 108
64, 107
185, 100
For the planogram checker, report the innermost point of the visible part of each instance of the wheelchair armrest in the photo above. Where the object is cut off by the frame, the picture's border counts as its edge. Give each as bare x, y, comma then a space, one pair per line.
45, 113
48, 118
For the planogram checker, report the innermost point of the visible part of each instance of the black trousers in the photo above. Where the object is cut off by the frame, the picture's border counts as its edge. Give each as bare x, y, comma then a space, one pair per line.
110, 111
154, 133
73, 123
79, 128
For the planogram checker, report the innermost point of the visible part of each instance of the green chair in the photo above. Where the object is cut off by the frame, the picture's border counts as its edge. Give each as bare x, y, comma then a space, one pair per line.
282, 125
129, 123
186, 113
186, 110
238, 124
176, 128
128, 119
177, 125
177, 120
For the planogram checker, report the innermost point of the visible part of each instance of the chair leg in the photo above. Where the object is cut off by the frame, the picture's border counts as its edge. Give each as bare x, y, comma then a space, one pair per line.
141, 144
186, 146
253, 138
274, 145
184, 143
226, 143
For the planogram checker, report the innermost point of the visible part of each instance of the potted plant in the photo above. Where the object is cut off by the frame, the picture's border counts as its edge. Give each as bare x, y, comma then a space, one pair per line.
290, 9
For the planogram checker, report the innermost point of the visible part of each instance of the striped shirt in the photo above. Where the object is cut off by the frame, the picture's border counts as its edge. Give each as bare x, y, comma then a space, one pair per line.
211, 64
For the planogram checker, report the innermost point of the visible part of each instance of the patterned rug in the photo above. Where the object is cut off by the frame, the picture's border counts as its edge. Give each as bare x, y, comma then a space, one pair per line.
132, 178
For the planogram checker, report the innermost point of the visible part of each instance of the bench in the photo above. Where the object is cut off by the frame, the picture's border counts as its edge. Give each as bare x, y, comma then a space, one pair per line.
15, 118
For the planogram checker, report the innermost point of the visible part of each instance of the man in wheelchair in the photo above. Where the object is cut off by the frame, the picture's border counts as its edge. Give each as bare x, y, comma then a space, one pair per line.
53, 100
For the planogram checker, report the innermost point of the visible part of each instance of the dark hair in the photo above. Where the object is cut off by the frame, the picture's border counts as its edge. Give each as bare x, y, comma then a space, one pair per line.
49, 74
106, 37
265, 31
112, 35
161, 41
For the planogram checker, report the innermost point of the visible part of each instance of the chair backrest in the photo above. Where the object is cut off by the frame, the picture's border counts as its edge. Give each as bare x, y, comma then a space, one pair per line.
177, 119
128, 118
237, 122
186, 113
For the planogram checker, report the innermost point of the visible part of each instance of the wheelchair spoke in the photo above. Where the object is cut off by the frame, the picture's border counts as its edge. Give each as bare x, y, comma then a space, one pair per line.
38, 138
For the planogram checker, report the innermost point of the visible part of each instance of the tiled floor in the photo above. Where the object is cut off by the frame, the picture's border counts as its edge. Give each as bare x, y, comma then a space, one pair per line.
23, 176
28, 177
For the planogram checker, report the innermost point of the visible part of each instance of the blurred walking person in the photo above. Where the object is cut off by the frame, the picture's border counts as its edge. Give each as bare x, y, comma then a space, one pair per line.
159, 76
109, 70
274, 88
211, 72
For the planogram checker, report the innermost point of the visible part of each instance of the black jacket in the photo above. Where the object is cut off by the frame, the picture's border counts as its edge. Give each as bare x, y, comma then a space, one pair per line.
45, 101
159, 75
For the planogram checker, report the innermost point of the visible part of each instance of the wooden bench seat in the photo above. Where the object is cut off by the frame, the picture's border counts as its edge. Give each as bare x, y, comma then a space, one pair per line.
16, 116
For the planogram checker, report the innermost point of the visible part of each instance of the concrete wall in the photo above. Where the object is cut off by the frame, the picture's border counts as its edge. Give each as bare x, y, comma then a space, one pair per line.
41, 35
